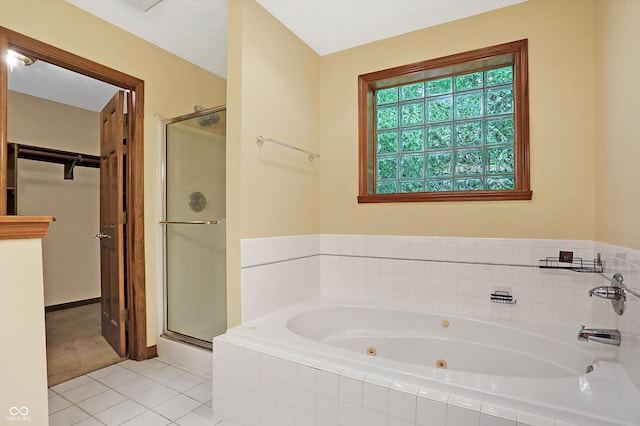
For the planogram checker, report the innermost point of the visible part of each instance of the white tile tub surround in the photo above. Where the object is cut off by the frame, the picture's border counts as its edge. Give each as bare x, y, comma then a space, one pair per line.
265, 373
627, 262
443, 274
277, 272
256, 385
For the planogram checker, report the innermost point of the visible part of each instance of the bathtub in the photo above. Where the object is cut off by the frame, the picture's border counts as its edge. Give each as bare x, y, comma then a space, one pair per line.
517, 372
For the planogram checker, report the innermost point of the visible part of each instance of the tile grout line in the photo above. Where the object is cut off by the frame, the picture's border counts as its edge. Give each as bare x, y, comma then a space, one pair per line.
127, 398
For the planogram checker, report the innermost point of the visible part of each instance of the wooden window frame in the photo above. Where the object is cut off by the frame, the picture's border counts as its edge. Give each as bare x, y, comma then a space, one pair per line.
514, 52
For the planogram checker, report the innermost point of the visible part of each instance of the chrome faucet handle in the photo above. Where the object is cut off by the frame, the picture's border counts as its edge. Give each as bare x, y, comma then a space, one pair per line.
616, 292
605, 292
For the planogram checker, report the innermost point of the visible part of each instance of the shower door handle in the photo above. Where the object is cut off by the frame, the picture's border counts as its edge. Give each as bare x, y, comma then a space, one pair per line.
188, 222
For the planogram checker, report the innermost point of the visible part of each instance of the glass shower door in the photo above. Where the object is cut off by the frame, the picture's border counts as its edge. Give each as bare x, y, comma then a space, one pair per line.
194, 227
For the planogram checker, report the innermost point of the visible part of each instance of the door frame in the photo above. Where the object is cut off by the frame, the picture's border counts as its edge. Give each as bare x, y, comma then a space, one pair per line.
134, 168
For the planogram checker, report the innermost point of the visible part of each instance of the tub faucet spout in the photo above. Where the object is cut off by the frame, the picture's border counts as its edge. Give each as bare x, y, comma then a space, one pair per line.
601, 335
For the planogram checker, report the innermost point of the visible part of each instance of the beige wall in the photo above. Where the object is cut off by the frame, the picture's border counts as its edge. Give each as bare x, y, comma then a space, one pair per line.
279, 77
280, 88
561, 81
23, 362
71, 253
618, 111
269, 203
172, 87
272, 91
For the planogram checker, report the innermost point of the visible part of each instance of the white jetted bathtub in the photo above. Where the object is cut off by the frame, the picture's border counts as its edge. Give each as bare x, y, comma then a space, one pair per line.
529, 373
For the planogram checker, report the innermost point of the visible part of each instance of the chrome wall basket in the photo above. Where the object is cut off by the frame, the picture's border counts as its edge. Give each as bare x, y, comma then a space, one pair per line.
575, 264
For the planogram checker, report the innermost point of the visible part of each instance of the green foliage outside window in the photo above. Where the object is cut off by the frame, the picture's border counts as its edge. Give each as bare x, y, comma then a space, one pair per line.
447, 134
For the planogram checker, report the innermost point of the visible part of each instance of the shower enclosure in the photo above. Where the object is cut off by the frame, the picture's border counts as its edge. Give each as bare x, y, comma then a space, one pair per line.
194, 234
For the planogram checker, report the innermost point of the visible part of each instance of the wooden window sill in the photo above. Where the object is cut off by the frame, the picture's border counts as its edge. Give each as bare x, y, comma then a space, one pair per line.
446, 196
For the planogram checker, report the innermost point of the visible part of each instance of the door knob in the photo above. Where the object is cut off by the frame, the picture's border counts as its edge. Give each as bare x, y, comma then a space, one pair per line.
101, 235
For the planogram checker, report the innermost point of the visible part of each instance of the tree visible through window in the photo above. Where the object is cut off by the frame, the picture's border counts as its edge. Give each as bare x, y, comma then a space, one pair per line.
453, 128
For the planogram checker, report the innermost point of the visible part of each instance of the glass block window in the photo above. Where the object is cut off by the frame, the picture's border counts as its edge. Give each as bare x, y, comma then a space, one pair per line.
448, 134
454, 128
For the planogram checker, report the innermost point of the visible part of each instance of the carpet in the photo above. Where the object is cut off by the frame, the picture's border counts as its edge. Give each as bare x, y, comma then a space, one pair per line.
75, 345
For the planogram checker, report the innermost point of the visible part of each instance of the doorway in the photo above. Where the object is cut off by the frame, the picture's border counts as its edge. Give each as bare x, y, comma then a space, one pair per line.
132, 169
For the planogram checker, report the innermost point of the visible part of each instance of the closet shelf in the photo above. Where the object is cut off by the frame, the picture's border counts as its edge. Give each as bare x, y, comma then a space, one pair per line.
69, 159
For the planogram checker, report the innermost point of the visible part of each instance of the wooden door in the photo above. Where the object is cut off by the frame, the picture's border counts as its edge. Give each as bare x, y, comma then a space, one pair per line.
112, 220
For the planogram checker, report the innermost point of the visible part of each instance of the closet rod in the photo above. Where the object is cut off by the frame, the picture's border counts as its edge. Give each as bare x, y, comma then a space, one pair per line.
56, 156
67, 158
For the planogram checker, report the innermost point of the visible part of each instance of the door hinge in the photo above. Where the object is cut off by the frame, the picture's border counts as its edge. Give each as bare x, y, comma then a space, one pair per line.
123, 218
124, 315
125, 119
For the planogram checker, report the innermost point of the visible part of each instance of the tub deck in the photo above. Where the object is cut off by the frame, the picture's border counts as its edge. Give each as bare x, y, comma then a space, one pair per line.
605, 396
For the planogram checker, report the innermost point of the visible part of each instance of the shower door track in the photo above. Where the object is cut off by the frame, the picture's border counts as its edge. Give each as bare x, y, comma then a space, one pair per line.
178, 337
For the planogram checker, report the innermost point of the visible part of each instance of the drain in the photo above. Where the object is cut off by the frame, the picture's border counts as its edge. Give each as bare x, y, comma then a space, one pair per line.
372, 351
445, 323
441, 363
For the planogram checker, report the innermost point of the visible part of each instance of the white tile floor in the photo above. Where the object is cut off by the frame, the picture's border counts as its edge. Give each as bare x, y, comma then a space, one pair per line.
145, 393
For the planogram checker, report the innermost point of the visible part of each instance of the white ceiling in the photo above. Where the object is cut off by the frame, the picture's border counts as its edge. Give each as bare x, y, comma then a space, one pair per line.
328, 26
196, 30
47, 81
